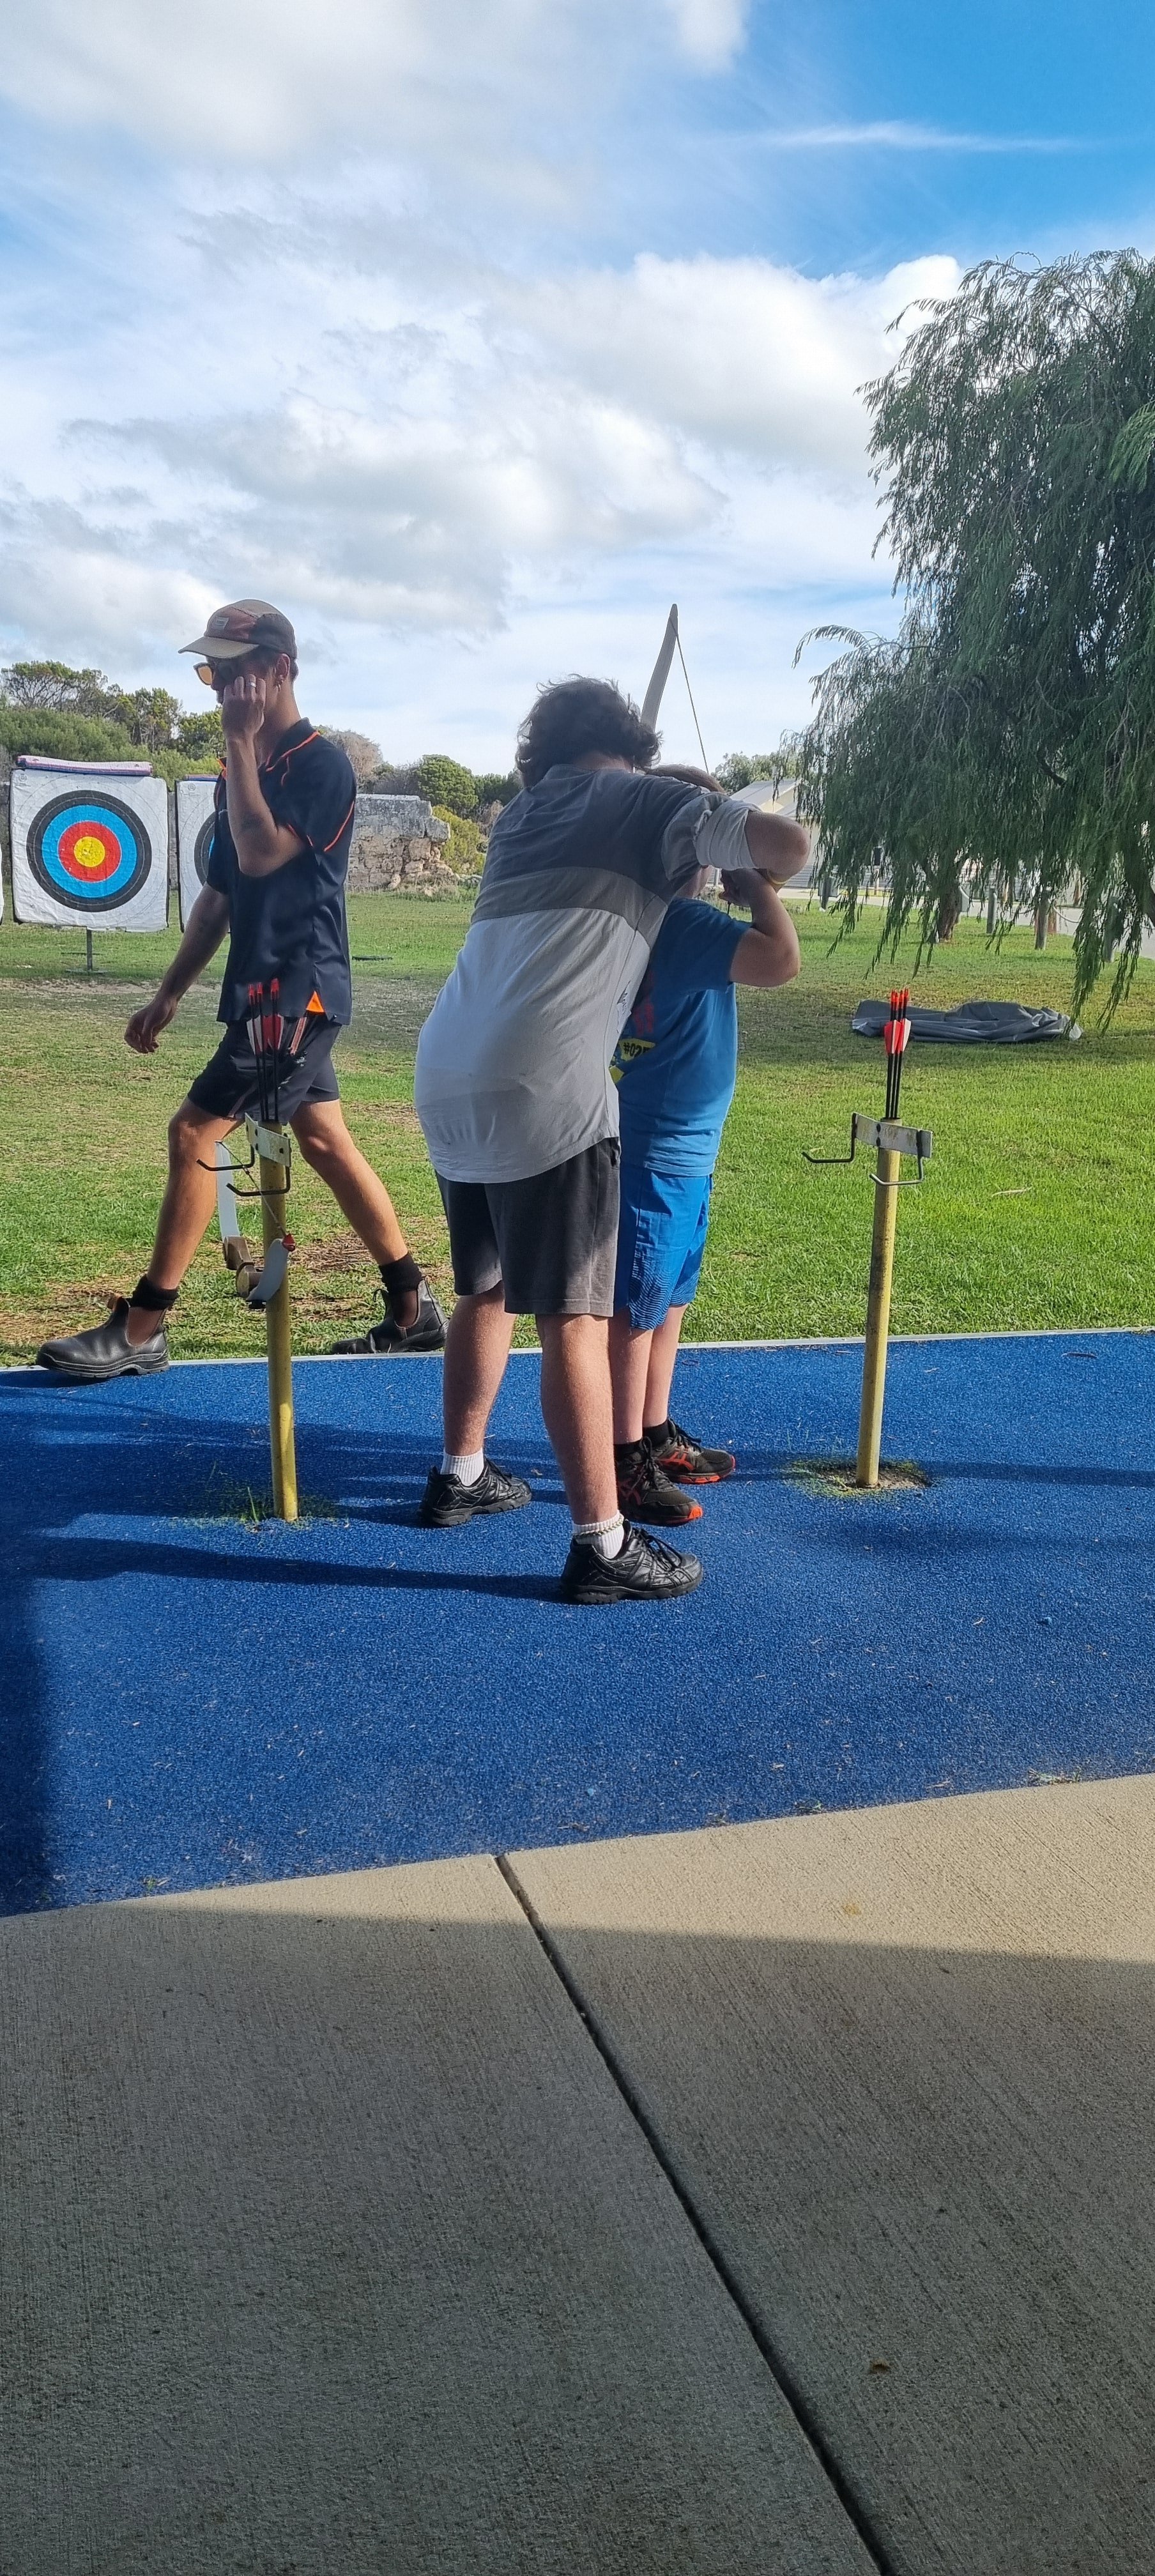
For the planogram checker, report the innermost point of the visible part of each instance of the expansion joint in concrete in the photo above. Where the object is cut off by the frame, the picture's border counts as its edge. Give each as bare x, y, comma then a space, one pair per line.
779, 2369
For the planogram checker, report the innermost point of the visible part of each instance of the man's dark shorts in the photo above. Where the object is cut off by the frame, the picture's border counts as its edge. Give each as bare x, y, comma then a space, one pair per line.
228, 1086
550, 1242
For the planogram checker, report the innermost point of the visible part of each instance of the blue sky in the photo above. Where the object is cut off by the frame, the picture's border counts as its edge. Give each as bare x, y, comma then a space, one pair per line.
474, 331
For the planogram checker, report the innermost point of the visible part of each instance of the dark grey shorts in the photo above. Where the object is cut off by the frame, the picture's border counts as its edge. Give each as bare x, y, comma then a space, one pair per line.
228, 1086
550, 1242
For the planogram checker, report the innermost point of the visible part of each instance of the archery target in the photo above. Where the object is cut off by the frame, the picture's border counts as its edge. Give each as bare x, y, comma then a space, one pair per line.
89, 851
194, 834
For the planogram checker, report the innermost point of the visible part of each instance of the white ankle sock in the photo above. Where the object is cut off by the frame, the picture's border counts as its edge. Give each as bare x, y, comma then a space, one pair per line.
467, 1470
607, 1538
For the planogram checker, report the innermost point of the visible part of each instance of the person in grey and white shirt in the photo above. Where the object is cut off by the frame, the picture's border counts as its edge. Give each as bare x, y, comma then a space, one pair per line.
520, 1115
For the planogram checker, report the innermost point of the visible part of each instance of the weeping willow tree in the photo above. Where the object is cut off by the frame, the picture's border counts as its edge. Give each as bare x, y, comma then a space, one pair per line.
1003, 744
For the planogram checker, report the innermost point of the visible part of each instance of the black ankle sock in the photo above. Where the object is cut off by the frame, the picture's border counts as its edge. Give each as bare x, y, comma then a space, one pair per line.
658, 1432
398, 1276
627, 1452
156, 1301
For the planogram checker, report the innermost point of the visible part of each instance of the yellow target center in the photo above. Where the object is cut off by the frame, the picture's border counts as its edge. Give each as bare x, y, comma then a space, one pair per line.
88, 852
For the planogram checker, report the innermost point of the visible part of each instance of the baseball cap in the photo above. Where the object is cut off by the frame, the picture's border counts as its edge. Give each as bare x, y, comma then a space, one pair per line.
240, 628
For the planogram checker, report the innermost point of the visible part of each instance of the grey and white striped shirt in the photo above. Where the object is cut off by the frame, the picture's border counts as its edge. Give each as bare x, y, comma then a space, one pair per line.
513, 1062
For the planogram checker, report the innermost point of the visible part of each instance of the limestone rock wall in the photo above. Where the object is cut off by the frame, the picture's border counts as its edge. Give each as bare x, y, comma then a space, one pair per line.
397, 841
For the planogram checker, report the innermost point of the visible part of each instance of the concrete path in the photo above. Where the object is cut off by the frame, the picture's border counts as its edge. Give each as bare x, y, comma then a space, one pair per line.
331, 2249
900, 2063
770, 2198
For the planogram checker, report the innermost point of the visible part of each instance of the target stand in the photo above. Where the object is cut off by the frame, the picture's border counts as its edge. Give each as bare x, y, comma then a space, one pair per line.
266, 1289
270, 1154
891, 1142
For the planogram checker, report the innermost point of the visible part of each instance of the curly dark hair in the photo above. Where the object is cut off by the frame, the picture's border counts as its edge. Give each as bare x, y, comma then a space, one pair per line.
575, 716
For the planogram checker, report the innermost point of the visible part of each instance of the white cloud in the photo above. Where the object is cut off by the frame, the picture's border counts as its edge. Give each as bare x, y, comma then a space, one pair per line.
710, 31
433, 463
431, 455
431, 79
257, 83
895, 136
280, 342
738, 353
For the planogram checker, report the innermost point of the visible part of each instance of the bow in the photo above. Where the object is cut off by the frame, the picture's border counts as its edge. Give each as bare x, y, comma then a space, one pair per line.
671, 644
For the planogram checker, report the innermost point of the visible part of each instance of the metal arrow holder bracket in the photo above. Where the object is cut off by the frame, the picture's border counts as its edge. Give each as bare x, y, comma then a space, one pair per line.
889, 1137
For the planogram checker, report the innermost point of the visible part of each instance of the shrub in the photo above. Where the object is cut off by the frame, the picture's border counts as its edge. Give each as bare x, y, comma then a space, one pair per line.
495, 789
465, 848
445, 782
171, 765
59, 736
200, 737
365, 755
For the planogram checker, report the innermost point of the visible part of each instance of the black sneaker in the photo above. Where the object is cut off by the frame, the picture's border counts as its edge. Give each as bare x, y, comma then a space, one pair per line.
389, 1337
446, 1501
679, 1455
645, 1494
106, 1351
644, 1570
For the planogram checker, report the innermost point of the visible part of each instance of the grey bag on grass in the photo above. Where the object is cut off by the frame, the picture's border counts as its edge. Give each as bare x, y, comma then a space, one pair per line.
972, 1024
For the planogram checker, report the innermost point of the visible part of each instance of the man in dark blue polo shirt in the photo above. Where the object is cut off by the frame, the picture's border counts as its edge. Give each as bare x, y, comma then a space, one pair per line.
275, 881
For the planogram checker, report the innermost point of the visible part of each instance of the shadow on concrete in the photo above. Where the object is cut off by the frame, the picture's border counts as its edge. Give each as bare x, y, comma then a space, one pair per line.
332, 2245
927, 2175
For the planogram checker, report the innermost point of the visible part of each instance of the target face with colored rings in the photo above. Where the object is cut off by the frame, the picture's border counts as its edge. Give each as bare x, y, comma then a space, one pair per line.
93, 852
201, 847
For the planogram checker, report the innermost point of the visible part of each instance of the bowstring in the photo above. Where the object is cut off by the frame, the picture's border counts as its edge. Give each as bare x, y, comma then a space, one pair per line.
693, 709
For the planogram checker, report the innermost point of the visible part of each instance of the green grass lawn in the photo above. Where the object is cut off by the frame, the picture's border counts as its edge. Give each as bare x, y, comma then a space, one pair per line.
1036, 1209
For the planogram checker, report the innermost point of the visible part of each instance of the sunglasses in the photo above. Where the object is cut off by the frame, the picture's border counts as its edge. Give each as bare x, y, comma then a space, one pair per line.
215, 673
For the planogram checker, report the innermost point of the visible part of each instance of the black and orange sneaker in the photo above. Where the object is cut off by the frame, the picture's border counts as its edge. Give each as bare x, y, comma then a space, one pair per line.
682, 1458
645, 1494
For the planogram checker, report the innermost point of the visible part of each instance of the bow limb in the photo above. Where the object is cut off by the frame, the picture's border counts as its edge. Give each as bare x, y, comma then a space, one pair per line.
661, 671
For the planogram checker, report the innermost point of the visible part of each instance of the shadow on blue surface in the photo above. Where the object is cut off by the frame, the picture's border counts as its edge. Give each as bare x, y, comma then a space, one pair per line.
191, 1700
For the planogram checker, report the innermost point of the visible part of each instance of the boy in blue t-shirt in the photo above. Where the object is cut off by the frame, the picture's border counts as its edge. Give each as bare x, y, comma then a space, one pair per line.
676, 1065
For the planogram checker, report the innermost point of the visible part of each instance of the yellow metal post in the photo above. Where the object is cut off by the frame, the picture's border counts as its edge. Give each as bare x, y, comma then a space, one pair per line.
877, 1318
282, 1441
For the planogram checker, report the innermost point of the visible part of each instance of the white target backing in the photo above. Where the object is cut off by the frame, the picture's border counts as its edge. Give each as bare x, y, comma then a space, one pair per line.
89, 849
194, 832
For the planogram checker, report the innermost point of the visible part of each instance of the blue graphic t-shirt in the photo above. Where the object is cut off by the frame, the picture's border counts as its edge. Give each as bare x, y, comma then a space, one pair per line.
676, 1061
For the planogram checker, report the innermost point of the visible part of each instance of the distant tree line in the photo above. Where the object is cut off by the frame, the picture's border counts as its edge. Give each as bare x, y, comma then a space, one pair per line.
65, 714
454, 789
62, 714
741, 768
445, 783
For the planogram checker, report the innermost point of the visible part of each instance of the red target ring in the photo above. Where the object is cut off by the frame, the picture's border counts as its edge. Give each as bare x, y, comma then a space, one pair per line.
90, 852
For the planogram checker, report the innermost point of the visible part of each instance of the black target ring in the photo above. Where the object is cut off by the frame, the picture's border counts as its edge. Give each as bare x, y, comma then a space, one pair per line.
74, 834
202, 846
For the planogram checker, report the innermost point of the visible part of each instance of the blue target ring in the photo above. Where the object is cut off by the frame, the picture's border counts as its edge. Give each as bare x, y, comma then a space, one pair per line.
91, 852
